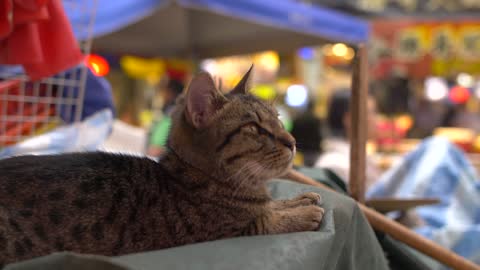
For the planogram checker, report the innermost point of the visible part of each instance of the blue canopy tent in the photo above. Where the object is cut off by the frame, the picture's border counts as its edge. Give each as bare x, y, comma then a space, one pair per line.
207, 28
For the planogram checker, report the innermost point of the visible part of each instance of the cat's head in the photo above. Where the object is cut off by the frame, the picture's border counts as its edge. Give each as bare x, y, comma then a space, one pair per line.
230, 136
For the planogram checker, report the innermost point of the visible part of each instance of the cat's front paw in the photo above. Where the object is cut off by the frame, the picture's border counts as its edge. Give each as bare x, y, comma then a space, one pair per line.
309, 218
289, 220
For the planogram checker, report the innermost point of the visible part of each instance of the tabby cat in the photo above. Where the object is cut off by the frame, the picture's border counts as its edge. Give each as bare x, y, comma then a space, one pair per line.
210, 184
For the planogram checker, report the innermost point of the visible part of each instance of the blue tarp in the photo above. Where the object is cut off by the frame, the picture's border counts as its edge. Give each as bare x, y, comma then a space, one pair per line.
283, 14
111, 15
438, 169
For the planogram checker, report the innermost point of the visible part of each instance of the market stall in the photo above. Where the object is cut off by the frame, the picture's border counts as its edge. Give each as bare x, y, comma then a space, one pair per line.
184, 28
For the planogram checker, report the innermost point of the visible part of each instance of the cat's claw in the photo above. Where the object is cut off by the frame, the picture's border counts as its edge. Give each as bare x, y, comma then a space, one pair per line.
305, 199
309, 198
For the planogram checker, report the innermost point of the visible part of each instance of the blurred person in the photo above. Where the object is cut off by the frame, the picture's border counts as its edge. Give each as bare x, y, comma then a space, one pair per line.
161, 128
436, 168
427, 116
307, 130
336, 156
458, 115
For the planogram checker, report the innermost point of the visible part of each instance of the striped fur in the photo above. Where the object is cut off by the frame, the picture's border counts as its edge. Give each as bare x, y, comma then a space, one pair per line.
210, 184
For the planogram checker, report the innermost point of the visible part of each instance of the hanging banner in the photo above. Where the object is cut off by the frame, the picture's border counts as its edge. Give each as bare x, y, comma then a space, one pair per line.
443, 42
410, 43
470, 42
422, 49
432, 8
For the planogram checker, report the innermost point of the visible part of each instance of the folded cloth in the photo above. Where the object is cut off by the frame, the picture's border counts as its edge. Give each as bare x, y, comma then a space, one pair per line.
438, 169
83, 136
37, 35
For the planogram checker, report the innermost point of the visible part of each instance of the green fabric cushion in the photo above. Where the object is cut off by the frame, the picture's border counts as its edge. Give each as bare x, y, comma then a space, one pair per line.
344, 241
326, 177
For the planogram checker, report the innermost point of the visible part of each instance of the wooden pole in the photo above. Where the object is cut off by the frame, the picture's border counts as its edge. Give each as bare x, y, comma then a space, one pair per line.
400, 232
358, 125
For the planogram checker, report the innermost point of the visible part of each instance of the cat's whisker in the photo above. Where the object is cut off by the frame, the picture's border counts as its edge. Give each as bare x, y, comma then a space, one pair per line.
257, 168
246, 169
238, 189
243, 169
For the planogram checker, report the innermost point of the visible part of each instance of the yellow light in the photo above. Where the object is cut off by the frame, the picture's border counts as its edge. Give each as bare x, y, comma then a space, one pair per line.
327, 50
404, 122
268, 60
350, 54
265, 92
95, 67
143, 68
340, 49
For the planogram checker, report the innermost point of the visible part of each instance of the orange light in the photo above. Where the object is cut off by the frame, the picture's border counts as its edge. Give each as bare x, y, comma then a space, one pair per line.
97, 64
404, 123
459, 94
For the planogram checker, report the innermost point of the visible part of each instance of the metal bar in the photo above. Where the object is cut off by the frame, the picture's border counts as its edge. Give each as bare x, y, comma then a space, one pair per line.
18, 118
70, 95
21, 112
51, 80
36, 94
40, 99
49, 100
83, 75
3, 129
59, 97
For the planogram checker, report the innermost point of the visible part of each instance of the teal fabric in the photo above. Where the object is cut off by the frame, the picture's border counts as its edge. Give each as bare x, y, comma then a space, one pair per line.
399, 255
345, 241
326, 177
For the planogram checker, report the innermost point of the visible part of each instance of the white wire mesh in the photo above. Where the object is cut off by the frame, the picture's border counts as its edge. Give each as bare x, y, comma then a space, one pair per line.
28, 108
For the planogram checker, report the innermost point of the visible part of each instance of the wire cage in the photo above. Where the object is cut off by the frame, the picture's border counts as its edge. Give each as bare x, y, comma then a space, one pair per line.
29, 108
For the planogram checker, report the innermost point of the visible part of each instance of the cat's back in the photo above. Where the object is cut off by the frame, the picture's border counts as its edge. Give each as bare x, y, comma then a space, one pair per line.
23, 175
51, 167
79, 202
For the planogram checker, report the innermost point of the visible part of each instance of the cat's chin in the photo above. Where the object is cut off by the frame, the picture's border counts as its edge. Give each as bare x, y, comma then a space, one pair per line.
283, 171
279, 173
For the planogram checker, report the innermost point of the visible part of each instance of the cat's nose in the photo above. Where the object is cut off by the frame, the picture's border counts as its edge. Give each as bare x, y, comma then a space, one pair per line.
289, 144
288, 141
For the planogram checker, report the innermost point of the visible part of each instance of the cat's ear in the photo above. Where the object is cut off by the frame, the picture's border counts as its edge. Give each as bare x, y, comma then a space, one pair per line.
203, 100
244, 85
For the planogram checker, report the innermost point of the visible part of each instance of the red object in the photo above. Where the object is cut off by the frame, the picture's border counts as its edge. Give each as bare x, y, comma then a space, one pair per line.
465, 146
459, 94
97, 64
6, 8
176, 74
388, 135
37, 35
12, 129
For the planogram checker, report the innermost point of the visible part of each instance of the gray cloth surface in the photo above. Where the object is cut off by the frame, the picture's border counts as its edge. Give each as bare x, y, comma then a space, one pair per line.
345, 241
